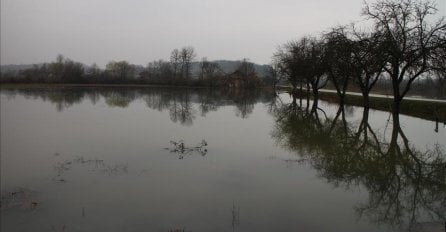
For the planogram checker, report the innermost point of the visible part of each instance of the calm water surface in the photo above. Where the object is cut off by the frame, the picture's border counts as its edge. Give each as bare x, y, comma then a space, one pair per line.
100, 159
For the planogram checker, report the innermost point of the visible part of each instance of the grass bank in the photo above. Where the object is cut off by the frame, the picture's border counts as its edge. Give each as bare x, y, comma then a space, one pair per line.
415, 108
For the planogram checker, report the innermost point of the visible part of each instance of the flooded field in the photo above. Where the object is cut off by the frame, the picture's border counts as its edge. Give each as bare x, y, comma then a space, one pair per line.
152, 159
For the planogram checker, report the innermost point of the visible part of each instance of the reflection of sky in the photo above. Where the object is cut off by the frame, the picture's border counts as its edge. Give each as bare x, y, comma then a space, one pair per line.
243, 165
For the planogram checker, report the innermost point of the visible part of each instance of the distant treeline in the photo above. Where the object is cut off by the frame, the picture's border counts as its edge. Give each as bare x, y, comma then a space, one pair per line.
181, 69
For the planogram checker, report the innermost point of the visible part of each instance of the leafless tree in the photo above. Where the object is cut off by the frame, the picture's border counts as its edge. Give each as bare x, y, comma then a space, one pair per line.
187, 55
368, 61
175, 61
274, 75
209, 71
339, 59
410, 40
289, 63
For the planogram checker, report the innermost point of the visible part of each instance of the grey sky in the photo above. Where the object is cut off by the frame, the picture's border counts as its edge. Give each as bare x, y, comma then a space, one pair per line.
35, 31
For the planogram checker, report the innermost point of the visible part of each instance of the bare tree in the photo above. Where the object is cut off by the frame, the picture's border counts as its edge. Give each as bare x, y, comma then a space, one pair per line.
289, 65
274, 73
175, 61
315, 66
209, 71
302, 61
410, 40
187, 55
204, 63
439, 62
339, 59
368, 61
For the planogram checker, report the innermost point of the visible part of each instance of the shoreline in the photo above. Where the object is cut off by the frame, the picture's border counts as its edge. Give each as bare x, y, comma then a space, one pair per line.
429, 109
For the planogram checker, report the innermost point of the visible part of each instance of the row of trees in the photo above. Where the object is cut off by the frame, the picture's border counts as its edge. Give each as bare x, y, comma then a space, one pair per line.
64, 70
181, 69
401, 46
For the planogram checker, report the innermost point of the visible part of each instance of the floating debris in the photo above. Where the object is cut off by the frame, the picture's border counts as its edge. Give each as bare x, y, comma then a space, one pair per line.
34, 204
182, 150
115, 169
21, 198
81, 160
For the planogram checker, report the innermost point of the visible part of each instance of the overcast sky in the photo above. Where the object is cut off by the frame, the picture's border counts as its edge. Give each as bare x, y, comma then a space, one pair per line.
35, 31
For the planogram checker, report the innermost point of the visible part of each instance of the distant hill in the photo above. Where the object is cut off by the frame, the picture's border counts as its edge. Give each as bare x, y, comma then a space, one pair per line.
15, 67
227, 66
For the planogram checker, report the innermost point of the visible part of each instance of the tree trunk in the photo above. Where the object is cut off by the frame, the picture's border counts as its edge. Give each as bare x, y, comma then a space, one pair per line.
315, 97
300, 95
308, 95
366, 99
396, 95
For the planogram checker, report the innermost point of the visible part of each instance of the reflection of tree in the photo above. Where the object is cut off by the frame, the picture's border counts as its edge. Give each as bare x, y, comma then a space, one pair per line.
62, 98
159, 100
63, 101
119, 98
406, 185
244, 101
410, 183
209, 101
181, 109
182, 104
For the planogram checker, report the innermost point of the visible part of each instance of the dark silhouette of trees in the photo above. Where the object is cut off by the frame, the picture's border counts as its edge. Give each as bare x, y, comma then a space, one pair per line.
35, 74
410, 41
180, 70
120, 70
274, 76
402, 46
209, 72
64, 71
303, 61
368, 61
187, 55
339, 60
159, 72
289, 62
56, 68
248, 74
175, 62
315, 66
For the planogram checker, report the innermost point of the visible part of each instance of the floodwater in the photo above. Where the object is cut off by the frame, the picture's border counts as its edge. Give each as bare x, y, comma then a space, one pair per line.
151, 159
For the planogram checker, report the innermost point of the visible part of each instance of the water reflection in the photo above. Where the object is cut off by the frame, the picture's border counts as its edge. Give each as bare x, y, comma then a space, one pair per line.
61, 167
406, 184
399, 184
183, 105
